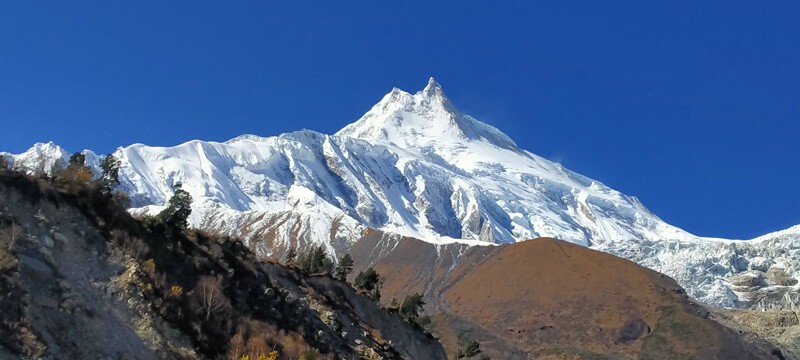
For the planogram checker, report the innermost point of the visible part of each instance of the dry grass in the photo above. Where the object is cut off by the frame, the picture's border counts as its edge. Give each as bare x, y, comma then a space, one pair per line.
550, 298
553, 297
257, 340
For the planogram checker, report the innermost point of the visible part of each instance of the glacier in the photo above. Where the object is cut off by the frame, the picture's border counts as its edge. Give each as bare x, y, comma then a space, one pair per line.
416, 166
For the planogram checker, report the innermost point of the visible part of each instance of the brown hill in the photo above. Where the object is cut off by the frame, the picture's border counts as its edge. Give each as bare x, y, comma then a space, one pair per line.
548, 299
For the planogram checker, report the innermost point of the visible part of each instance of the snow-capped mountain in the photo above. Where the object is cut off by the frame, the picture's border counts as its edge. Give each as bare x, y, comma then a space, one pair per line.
415, 166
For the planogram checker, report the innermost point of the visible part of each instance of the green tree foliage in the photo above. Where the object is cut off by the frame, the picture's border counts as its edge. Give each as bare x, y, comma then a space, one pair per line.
77, 159
469, 348
344, 267
321, 263
411, 307
315, 261
369, 281
109, 179
178, 209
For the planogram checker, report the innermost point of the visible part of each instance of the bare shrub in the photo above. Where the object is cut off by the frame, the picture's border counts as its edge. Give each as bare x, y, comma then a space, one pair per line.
238, 345
210, 297
129, 246
253, 341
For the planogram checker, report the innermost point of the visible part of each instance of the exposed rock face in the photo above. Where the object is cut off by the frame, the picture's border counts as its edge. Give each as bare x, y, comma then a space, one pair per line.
81, 279
725, 273
773, 289
747, 281
779, 277
63, 287
780, 327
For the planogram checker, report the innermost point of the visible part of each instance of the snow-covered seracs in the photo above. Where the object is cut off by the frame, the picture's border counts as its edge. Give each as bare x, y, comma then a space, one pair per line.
414, 165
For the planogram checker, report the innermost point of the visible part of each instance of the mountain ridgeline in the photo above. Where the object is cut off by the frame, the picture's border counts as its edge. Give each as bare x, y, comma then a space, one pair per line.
424, 200
415, 166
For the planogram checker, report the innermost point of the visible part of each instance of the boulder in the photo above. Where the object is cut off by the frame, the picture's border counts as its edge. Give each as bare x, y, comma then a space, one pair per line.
749, 280
60, 237
779, 276
47, 241
69, 305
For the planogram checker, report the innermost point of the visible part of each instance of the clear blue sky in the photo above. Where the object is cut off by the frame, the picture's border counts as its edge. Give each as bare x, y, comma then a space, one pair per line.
692, 106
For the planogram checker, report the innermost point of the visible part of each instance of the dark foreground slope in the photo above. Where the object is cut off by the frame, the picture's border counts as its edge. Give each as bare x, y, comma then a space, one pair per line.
548, 299
81, 279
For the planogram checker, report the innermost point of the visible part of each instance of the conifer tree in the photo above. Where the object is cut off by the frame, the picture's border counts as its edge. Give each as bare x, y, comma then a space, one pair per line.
469, 348
369, 281
344, 267
179, 208
412, 305
77, 159
109, 179
316, 261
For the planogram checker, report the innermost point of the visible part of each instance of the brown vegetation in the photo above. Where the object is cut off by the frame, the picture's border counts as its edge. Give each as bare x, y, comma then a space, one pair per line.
257, 340
546, 298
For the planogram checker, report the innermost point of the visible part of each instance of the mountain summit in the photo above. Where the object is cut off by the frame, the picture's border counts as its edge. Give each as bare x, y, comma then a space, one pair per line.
433, 88
415, 166
422, 119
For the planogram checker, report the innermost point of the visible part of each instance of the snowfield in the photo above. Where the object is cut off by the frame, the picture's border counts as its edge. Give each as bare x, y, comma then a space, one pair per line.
415, 166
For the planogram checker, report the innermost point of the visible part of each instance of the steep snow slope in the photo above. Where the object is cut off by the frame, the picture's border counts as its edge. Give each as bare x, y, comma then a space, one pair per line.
413, 165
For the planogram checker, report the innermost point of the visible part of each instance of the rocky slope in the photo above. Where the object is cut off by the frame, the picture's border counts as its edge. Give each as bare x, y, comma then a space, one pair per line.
414, 165
80, 278
780, 327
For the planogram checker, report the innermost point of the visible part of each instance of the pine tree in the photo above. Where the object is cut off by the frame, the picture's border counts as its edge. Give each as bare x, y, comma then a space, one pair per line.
344, 267
468, 348
318, 256
316, 261
369, 281
411, 307
303, 261
77, 159
179, 208
109, 179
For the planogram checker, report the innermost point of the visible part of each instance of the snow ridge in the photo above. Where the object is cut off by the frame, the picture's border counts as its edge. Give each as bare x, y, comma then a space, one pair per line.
413, 165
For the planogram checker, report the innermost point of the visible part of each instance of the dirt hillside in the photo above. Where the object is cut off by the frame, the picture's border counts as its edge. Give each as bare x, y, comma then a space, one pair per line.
548, 299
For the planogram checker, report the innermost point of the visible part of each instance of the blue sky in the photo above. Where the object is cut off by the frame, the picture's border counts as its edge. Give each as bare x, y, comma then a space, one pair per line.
694, 108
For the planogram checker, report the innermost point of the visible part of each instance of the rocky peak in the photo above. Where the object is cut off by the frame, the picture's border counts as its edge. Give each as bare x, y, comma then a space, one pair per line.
426, 118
